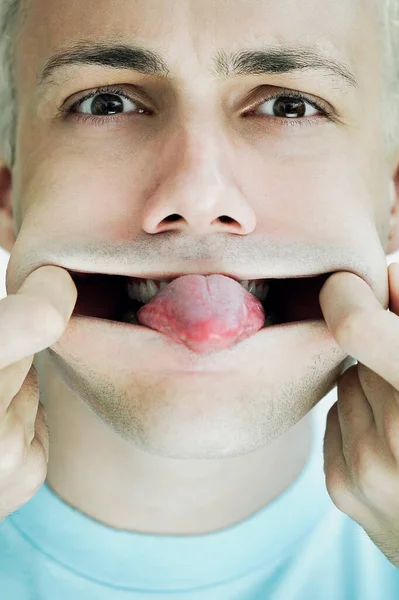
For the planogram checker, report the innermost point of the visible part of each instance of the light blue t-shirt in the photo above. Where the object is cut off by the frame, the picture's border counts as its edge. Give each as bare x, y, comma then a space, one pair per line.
300, 547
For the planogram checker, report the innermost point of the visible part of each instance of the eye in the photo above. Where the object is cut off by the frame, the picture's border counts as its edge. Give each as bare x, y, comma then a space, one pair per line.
289, 106
104, 102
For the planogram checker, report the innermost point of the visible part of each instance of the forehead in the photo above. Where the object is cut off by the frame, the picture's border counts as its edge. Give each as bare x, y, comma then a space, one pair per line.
189, 33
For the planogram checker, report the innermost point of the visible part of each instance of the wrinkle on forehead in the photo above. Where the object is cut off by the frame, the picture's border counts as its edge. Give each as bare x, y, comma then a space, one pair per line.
198, 30
266, 16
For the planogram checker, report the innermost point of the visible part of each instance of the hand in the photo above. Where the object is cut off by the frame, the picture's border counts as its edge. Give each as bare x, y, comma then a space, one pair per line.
30, 321
361, 444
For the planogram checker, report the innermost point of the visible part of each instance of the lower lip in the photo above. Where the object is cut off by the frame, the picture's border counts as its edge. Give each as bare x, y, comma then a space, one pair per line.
129, 327
118, 343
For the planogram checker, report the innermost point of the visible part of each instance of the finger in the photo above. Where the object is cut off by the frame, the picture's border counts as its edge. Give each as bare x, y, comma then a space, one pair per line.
384, 402
344, 294
12, 378
54, 285
368, 456
335, 468
355, 415
339, 482
22, 410
37, 315
361, 326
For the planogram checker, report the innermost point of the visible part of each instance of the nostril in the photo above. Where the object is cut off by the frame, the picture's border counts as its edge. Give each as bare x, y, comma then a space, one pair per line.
172, 218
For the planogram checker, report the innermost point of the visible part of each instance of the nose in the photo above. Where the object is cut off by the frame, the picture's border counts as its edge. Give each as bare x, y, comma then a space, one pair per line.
197, 190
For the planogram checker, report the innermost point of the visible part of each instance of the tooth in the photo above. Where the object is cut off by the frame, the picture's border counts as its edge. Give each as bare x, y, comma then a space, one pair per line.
151, 289
252, 287
143, 292
146, 290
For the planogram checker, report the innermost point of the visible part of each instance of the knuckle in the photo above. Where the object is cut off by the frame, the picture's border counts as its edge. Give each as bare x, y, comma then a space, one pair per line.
338, 489
374, 487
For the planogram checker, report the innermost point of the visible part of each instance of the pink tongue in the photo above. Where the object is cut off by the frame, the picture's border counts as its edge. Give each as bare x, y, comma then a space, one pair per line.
204, 312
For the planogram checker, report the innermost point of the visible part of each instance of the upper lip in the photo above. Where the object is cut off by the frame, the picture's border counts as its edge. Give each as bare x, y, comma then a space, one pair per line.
171, 276
166, 275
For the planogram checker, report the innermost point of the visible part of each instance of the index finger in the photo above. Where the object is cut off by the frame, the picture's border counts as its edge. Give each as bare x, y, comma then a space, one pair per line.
37, 315
360, 324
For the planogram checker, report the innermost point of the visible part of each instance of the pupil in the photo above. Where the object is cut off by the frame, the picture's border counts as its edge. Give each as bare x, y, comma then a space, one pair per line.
107, 103
285, 105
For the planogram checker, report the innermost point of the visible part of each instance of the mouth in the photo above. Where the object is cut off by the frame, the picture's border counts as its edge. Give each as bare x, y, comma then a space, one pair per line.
104, 296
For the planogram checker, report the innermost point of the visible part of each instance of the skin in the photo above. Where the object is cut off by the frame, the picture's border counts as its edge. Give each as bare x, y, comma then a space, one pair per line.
144, 434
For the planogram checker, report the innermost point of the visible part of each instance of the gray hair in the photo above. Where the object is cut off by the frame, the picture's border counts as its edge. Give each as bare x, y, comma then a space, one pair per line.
10, 17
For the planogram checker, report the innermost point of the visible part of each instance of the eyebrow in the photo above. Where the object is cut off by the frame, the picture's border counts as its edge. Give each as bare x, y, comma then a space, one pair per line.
269, 61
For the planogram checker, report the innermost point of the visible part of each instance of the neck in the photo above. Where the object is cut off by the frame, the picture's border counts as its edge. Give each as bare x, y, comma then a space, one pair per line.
117, 484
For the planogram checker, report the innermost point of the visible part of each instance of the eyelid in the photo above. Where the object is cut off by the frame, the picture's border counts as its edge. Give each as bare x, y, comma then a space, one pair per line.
288, 93
327, 112
69, 106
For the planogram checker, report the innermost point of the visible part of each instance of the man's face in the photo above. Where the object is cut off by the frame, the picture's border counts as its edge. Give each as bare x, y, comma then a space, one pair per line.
191, 171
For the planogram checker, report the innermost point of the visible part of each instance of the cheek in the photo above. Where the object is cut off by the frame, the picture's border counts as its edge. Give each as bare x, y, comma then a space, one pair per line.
383, 207
71, 197
314, 198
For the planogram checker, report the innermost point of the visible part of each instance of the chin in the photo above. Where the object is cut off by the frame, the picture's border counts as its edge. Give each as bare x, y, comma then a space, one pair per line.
196, 415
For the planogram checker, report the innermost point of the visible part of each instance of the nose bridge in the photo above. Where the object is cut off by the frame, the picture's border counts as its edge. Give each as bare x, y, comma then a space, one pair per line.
199, 148
197, 188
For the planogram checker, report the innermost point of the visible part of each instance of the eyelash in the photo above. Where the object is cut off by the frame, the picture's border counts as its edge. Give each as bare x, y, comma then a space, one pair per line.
97, 120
